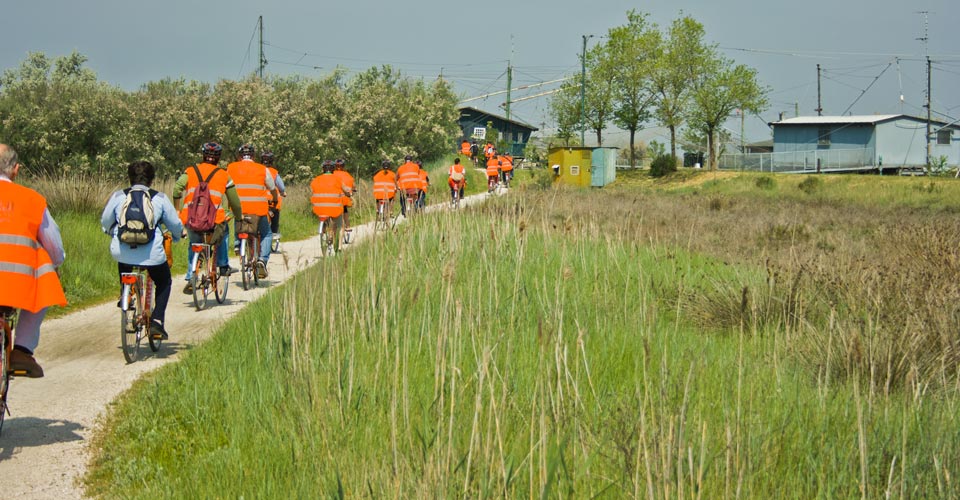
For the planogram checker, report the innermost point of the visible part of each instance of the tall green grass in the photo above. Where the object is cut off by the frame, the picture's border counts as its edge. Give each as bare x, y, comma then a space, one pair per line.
542, 345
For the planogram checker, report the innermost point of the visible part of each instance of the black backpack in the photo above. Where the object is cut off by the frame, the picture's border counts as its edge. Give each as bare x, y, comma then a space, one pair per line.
136, 225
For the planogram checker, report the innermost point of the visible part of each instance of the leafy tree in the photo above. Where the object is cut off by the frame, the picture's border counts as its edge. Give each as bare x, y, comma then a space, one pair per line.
565, 111
600, 93
681, 56
628, 57
718, 90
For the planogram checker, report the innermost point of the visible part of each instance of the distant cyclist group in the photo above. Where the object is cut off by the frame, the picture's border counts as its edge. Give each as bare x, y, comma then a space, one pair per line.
143, 223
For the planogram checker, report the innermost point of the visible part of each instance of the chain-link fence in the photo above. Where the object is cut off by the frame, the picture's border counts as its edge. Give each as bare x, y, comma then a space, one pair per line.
801, 161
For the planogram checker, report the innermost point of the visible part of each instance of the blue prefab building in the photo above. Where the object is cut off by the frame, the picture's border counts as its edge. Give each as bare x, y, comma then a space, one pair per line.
877, 142
473, 124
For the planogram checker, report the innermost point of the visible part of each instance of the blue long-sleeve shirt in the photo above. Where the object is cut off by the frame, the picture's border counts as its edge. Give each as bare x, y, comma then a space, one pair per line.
143, 255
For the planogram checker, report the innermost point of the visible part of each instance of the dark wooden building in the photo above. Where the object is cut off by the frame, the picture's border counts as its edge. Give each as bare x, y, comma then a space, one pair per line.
473, 124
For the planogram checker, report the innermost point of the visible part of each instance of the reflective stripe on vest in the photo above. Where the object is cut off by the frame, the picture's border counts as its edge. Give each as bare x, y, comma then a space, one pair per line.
26, 270
328, 196
23, 241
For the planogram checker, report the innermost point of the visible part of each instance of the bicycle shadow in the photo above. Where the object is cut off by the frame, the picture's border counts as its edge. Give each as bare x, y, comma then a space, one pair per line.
29, 432
167, 349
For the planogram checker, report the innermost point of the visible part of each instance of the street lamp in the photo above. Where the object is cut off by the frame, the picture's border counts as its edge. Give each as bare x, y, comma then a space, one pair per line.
583, 90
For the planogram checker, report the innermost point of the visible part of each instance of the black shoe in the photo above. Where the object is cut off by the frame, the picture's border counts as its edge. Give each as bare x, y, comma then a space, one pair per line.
188, 288
261, 269
227, 270
157, 331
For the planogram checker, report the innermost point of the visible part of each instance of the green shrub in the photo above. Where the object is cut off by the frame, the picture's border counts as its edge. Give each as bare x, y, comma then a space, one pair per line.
810, 185
663, 165
765, 182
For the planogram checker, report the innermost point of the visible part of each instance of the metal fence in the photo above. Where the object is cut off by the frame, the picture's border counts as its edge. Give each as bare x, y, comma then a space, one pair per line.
801, 161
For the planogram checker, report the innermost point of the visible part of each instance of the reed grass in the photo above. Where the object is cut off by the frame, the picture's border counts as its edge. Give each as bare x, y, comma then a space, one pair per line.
570, 343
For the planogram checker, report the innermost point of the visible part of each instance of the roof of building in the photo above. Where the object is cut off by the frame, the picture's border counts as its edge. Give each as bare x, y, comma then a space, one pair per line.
851, 120
515, 122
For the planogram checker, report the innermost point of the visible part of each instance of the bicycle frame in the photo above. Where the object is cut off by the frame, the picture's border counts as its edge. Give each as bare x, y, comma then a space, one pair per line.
6, 349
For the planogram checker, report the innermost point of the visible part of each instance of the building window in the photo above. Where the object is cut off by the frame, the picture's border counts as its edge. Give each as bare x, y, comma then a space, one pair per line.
943, 137
480, 132
823, 136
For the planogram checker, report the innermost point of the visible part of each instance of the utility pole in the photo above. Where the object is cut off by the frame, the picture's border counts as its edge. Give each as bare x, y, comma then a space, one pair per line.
509, 76
583, 91
819, 109
263, 60
925, 39
796, 109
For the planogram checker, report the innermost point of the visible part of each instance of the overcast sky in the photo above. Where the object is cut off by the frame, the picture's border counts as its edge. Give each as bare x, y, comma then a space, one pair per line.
130, 42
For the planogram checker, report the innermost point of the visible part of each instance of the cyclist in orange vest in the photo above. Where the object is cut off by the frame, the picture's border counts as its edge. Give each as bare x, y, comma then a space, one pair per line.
408, 178
489, 151
327, 192
424, 184
457, 178
347, 180
256, 189
385, 186
220, 187
31, 250
152, 256
267, 158
465, 148
506, 168
493, 173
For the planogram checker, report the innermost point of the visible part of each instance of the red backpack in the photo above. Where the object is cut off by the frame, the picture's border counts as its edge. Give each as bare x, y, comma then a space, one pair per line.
202, 213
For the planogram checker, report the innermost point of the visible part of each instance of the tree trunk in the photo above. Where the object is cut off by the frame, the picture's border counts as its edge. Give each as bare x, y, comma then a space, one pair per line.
633, 161
710, 147
673, 141
599, 137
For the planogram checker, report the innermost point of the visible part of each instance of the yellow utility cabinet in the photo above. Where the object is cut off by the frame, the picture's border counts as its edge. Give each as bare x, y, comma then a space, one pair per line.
583, 166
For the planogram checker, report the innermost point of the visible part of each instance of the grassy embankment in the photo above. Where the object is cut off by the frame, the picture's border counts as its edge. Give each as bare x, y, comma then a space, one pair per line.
717, 341
89, 274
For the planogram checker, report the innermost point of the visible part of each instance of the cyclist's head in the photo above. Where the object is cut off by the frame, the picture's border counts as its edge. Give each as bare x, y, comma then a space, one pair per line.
456, 161
246, 151
141, 172
266, 157
419, 163
385, 164
408, 158
211, 152
339, 164
327, 166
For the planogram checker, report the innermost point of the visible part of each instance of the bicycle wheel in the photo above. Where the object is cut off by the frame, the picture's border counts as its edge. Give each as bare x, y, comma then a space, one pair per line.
322, 231
254, 252
220, 285
130, 326
200, 281
246, 266
4, 370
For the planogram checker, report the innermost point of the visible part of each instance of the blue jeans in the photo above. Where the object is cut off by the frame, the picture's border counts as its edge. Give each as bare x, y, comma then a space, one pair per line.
223, 259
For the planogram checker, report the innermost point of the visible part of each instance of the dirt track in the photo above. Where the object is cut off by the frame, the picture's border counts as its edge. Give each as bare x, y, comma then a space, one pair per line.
43, 448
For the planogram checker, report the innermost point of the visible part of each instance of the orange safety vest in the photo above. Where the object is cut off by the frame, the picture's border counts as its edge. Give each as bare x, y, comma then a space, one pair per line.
507, 163
384, 185
465, 148
347, 181
274, 173
29, 279
456, 168
250, 179
424, 181
408, 176
327, 191
492, 168
217, 187
488, 150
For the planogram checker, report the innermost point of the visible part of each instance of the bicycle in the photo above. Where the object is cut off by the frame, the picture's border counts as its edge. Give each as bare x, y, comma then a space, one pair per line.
7, 321
412, 200
507, 177
136, 305
455, 195
384, 219
206, 273
328, 236
492, 184
249, 238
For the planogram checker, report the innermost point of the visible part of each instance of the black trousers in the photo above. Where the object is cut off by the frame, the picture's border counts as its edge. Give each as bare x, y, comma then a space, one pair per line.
160, 274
